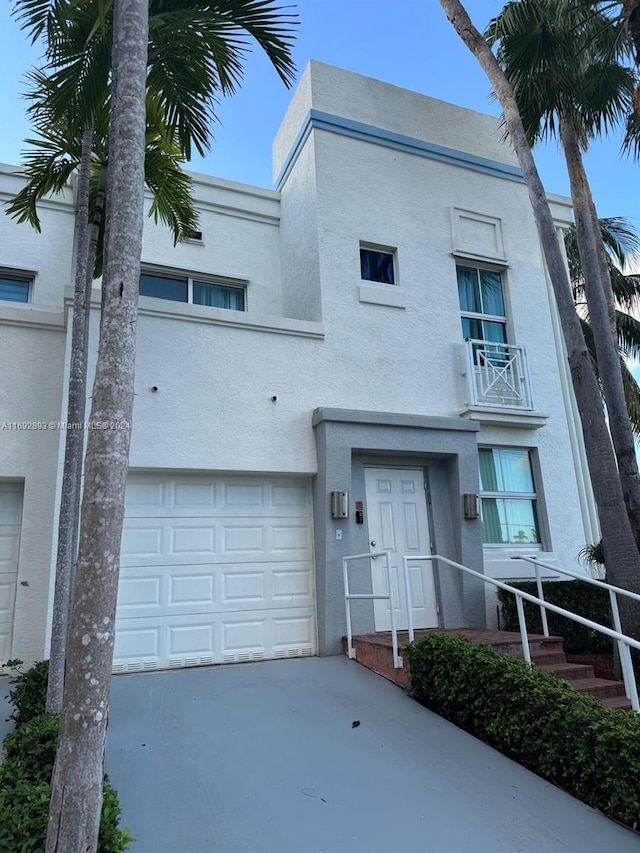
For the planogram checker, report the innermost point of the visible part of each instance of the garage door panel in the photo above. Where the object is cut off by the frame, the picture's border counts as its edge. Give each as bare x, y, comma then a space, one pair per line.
10, 504
169, 590
10, 522
7, 597
293, 583
200, 540
239, 497
215, 570
6, 634
9, 546
225, 638
292, 631
244, 588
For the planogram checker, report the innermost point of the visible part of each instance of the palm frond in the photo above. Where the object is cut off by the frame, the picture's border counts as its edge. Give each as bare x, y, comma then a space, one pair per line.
564, 58
631, 142
632, 396
628, 334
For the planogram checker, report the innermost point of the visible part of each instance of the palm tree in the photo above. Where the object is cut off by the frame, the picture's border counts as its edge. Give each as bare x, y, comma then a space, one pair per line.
195, 50
564, 62
55, 155
76, 787
621, 242
623, 558
179, 59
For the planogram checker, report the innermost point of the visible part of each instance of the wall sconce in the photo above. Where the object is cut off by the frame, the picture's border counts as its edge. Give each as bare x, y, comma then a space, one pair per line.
471, 506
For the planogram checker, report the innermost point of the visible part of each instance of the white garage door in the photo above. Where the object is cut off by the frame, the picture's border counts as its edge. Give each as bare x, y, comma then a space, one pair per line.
10, 520
214, 570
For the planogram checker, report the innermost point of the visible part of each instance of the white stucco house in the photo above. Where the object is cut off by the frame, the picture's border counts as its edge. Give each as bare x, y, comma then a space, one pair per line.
379, 324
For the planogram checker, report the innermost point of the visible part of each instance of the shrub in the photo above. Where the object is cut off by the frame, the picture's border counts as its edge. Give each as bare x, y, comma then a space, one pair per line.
579, 597
29, 690
32, 748
567, 737
25, 775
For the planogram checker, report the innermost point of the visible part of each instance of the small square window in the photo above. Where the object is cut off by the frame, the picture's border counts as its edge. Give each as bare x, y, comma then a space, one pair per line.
377, 265
14, 287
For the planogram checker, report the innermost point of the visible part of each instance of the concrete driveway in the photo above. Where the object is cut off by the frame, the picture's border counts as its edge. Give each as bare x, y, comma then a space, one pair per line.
264, 758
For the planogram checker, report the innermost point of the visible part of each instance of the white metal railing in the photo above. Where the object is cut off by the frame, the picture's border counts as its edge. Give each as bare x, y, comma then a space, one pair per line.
625, 643
349, 597
614, 592
498, 375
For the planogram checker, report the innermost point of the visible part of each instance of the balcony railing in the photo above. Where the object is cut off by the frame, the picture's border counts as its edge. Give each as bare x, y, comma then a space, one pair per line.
498, 375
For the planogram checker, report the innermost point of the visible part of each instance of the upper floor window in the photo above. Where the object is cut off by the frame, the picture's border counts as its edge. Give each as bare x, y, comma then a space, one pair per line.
186, 289
482, 304
14, 287
508, 497
377, 265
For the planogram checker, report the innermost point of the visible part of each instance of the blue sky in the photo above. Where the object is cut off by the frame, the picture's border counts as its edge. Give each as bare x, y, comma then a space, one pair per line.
408, 43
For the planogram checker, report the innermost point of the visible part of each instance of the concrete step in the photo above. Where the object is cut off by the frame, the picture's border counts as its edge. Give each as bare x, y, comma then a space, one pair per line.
374, 652
617, 703
538, 645
600, 687
542, 658
568, 671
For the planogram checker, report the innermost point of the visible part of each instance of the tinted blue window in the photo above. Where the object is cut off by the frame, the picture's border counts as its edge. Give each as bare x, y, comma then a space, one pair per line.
14, 289
163, 287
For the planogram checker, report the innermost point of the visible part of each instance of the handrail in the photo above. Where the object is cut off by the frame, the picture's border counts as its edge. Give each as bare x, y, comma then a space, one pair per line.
348, 596
625, 652
625, 643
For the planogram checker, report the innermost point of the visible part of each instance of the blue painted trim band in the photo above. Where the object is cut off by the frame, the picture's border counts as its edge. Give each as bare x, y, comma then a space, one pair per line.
398, 141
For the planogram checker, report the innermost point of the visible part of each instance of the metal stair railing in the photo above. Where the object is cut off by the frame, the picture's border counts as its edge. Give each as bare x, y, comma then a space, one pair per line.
614, 592
349, 597
625, 643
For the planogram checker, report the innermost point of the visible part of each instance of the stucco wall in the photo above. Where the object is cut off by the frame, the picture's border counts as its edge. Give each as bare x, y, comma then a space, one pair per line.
311, 336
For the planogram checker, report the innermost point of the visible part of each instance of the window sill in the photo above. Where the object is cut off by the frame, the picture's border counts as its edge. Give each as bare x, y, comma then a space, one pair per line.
382, 294
513, 417
26, 314
150, 306
498, 562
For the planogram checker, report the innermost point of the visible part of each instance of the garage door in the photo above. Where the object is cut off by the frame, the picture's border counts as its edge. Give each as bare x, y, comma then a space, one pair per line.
214, 570
10, 520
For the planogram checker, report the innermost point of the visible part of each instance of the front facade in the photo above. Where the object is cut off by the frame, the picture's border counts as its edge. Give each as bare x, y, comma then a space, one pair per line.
378, 326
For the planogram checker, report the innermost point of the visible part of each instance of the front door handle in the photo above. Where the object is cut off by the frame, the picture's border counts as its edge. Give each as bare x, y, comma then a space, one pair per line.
373, 543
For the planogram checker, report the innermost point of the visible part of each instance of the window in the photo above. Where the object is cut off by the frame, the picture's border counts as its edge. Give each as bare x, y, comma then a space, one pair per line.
377, 265
482, 304
185, 289
508, 500
14, 287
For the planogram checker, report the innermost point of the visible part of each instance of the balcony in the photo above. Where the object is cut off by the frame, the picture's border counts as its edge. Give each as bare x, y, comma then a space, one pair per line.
497, 376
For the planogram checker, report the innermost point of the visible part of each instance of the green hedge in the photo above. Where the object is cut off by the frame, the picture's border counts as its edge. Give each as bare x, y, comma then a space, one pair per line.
578, 597
25, 774
28, 693
569, 738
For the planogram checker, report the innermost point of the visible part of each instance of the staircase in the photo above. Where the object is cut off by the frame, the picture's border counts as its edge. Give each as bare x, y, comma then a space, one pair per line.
374, 651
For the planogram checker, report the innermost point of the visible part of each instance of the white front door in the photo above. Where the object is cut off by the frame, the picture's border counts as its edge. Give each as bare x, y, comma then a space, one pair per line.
398, 522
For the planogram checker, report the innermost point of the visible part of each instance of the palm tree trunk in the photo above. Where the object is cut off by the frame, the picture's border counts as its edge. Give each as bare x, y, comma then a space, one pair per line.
599, 296
621, 552
76, 788
74, 437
